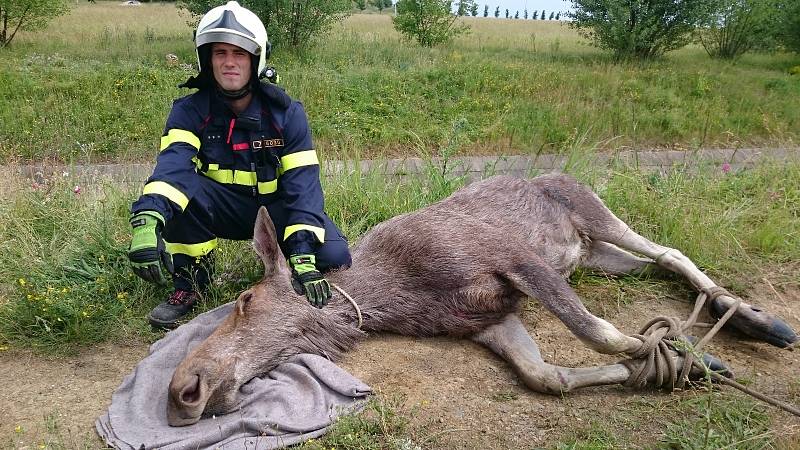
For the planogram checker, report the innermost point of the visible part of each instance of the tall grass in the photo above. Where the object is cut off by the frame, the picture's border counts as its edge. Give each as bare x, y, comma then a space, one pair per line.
64, 254
96, 85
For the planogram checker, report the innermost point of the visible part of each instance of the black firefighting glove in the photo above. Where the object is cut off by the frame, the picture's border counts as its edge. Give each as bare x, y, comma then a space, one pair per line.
147, 252
308, 280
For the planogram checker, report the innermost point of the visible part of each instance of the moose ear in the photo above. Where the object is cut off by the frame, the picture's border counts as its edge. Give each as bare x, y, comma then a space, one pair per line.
265, 242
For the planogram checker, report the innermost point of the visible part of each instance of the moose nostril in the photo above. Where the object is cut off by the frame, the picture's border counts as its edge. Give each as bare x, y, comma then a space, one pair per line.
755, 309
191, 393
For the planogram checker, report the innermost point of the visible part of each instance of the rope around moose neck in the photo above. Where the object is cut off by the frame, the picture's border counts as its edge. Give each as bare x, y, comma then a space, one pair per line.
352, 302
654, 354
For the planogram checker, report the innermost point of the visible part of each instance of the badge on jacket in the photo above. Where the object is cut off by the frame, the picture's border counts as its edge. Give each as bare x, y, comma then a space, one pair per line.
267, 143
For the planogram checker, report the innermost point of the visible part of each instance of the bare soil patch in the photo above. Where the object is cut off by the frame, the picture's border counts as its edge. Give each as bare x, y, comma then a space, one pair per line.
459, 394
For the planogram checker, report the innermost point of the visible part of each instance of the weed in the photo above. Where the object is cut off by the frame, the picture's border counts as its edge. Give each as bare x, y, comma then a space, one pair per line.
505, 396
720, 420
383, 424
596, 437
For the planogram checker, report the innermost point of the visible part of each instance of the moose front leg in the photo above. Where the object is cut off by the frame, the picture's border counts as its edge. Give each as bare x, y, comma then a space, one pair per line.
536, 279
511, 341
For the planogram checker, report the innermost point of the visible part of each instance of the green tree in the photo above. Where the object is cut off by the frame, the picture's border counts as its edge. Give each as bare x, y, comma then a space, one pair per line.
739, 26
485, 10
387, 3
516, 16
27, 15
474, 9
506, 13
639, 28
543, 16
552, 14
535, 14
526, 14
378, 4
361, 4
497, 12
429, 22
292, 23
558, 15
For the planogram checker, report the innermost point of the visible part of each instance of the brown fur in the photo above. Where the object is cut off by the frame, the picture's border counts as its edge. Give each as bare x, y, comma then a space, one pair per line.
460, 267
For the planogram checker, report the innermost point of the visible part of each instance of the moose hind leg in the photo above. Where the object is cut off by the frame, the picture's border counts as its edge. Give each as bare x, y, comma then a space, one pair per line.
511, 341
748, 319
612, 260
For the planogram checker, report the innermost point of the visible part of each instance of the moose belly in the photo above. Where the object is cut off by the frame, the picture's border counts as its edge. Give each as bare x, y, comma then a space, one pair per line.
561, 247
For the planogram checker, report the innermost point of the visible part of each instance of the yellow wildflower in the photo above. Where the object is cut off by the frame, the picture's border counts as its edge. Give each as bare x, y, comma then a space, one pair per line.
21, 281
3, 348
18, 429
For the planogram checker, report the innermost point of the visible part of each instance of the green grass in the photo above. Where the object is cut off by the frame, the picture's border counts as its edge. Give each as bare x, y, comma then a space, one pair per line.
692, 421
70, 284
103, 89
70, 251
717, 421
383, 424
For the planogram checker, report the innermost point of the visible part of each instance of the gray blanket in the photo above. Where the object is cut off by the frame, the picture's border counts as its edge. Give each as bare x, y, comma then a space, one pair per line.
296, 401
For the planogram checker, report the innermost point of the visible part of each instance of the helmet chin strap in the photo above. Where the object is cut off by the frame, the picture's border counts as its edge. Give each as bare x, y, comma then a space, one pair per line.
234, 95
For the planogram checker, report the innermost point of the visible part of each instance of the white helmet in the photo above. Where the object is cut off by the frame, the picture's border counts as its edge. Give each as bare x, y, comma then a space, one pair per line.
233, 24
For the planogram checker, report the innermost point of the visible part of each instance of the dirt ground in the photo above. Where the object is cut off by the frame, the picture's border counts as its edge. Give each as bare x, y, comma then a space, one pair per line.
459, 394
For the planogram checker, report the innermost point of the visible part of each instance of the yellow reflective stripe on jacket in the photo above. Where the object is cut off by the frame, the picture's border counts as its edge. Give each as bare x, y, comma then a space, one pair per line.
267, 187
299, 159
178, 135
193, 250
172, 193
318, 232
241, 178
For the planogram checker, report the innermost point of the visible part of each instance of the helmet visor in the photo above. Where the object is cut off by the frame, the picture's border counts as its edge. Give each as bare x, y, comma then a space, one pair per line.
228, 37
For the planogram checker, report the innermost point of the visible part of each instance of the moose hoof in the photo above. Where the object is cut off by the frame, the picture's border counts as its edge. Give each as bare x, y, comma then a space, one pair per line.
715, 364
756, 323
711, 362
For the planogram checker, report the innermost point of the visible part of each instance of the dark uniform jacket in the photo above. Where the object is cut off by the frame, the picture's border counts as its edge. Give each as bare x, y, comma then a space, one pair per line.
266, 151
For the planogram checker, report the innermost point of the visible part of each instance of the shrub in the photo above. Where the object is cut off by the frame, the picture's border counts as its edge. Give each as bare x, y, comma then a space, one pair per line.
639, 28
789, 24
429, 22
739, 26
26, 15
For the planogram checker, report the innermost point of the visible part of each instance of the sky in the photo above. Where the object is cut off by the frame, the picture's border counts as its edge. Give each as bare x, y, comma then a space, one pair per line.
520, 5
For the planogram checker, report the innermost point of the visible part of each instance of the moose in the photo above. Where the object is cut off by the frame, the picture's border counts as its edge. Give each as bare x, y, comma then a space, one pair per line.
460, 267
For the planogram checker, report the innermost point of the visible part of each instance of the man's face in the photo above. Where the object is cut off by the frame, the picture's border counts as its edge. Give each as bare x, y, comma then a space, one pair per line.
231, 65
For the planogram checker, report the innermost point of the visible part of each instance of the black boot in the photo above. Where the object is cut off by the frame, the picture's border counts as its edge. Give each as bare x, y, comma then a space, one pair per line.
167, 315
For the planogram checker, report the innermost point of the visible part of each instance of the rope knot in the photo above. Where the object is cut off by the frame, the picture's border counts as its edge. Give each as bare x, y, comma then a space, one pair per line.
655, 356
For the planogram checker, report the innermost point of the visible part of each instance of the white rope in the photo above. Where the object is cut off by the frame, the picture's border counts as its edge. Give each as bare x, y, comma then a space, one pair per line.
352, 302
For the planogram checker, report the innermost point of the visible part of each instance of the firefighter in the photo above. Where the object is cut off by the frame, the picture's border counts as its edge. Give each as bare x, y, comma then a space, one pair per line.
234, 145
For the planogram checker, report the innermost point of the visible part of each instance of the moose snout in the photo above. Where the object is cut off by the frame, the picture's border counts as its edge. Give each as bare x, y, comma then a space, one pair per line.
188, 394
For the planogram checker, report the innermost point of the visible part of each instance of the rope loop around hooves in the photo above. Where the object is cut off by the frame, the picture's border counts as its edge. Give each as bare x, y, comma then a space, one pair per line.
663, 336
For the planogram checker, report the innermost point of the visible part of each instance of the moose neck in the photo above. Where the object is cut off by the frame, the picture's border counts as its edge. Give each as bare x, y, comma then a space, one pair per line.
381, 300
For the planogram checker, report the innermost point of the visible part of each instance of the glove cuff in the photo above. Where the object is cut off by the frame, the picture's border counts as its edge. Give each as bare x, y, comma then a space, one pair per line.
303, 263
140, 218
